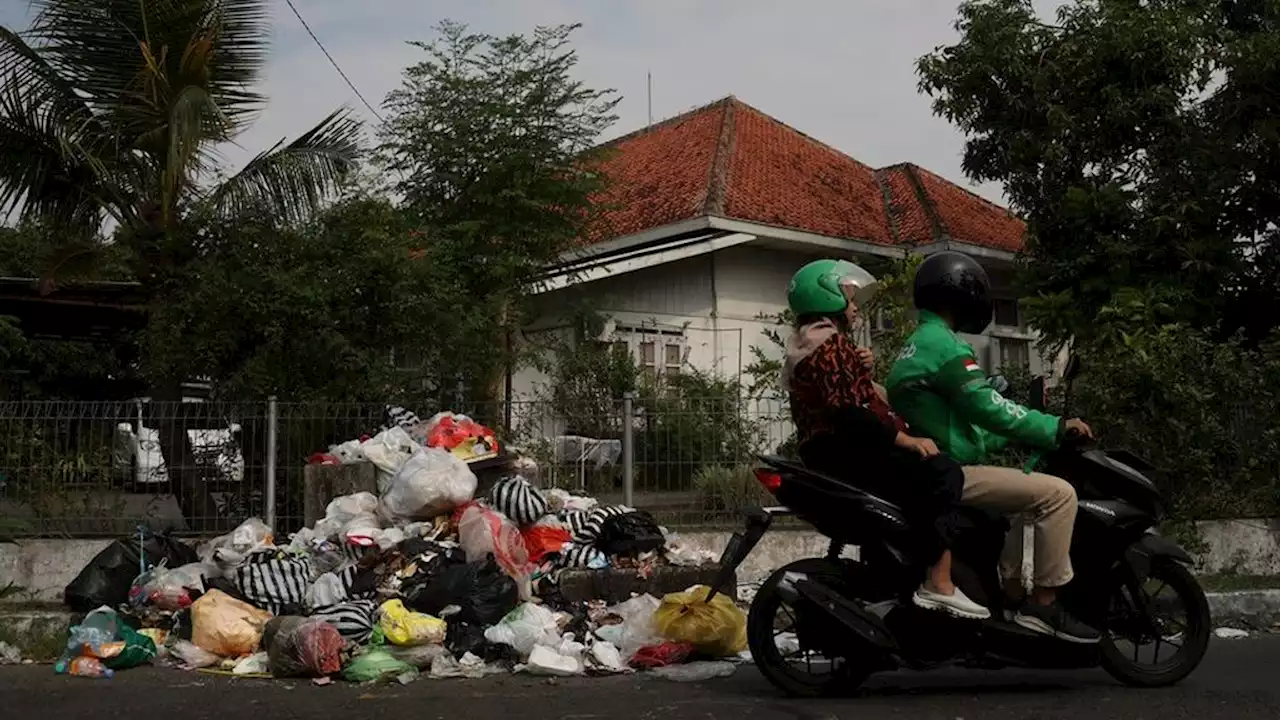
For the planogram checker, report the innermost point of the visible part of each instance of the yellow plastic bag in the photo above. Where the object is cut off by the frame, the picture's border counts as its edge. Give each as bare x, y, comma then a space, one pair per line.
224, 626
716, 628
402, 626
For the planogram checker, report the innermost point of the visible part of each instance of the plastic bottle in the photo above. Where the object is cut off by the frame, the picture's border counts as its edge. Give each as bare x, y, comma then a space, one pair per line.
84, 667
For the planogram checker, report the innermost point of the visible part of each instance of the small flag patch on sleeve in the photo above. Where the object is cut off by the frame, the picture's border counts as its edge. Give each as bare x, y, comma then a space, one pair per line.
971, 366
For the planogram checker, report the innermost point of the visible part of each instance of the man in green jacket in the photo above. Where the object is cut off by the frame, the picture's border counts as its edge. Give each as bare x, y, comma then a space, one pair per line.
939, 388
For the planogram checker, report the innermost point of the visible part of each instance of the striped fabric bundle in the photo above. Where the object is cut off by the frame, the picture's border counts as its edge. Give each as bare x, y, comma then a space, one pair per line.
394, 415
582, 555
518, 499
352, 619
274, 581
586, 526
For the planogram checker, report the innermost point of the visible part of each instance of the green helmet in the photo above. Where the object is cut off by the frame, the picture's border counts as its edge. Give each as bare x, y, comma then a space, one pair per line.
817, 288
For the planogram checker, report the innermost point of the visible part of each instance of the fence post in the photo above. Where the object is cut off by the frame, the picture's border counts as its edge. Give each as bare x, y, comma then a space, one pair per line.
628, 449
272, 419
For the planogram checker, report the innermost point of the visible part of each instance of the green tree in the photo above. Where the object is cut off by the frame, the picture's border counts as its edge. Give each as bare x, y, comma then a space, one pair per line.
325, 310
115, 109
492, 140
1140, 142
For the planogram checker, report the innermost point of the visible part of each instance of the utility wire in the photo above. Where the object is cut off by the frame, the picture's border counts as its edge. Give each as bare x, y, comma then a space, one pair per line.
331, 60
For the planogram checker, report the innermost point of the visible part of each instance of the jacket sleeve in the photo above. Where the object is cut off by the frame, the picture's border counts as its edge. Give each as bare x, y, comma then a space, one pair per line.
972, 398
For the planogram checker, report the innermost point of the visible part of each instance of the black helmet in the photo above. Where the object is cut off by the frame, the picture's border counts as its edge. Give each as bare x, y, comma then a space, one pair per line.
954, 284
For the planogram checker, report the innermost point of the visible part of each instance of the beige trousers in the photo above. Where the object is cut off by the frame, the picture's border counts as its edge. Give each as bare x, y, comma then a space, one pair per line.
1044, 501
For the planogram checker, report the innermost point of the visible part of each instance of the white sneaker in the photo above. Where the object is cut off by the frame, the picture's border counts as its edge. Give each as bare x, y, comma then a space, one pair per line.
958, 604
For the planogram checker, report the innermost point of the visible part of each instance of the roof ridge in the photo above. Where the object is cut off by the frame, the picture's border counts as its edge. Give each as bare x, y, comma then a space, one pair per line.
718, 179
936, 228
958, 186
673, 120
886, 197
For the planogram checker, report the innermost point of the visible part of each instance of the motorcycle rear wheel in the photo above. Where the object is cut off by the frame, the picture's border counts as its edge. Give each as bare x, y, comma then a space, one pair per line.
1195, 635
792, 680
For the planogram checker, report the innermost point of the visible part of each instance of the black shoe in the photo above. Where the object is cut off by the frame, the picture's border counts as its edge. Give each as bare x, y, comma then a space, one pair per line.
1056, 621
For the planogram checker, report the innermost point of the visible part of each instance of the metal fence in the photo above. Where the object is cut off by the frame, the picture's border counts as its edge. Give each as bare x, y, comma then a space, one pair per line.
87, 469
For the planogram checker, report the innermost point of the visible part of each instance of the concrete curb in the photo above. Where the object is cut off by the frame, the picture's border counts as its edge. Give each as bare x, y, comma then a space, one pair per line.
1245, 609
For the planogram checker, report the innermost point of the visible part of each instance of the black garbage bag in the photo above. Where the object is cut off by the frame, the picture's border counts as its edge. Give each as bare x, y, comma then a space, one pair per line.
107, 578
462, 638
630, 535
482, 589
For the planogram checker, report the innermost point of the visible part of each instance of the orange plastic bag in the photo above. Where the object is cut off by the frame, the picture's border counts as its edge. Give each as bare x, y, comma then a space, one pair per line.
227, 627
543, 540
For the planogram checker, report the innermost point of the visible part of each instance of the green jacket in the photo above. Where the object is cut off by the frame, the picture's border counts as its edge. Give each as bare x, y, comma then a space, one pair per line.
937, 386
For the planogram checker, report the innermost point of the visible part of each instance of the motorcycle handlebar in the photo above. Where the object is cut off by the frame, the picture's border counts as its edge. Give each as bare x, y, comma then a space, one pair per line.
1073, 439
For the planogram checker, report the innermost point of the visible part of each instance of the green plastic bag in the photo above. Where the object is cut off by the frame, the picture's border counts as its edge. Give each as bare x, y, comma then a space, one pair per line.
138, 649
377, 664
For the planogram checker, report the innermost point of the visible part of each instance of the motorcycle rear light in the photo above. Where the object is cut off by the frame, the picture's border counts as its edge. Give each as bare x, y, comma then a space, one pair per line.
769, 479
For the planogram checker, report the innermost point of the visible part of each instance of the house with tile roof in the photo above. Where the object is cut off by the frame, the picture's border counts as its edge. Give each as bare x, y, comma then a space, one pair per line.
709, 213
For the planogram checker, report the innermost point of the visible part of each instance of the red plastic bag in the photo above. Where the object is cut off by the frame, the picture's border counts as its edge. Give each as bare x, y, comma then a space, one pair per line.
542, 540
483, 531
303, 647
655, 656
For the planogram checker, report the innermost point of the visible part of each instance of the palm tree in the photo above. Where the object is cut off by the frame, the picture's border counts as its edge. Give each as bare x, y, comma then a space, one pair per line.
112, 112
114, 109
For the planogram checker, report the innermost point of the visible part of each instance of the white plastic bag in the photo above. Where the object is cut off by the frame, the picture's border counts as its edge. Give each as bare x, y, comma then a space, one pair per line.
346, 508
547, 661
388, 451
605, 659
431, 482
524, 628
228, 551
350, 451
696, 671
325, 591
255, 664
638, 629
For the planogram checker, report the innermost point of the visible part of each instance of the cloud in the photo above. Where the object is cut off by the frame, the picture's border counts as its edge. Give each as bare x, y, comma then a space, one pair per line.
840, 71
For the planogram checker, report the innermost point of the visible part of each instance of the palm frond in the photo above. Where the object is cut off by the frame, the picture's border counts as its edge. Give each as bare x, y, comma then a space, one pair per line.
104, 47
292, 181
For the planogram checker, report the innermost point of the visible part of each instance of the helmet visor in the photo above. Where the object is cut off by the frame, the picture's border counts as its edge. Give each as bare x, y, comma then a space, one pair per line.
857, 284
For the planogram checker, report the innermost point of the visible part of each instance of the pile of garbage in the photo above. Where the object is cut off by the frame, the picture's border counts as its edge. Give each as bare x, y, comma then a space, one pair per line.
422, 578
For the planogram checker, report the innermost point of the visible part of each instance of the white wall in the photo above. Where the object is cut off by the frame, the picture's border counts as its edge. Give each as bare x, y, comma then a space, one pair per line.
711, 305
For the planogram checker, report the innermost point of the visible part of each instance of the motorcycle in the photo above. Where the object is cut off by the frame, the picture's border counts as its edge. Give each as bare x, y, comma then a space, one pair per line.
857, 614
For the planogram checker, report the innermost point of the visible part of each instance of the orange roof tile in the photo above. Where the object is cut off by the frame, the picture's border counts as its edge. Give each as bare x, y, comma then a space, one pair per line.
728, 159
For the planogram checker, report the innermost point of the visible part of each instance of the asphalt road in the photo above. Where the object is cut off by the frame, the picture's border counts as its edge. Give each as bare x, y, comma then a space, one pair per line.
1237, 680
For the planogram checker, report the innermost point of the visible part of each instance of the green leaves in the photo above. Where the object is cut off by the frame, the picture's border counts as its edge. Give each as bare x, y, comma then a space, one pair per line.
291, 181
116, 108
1111, 135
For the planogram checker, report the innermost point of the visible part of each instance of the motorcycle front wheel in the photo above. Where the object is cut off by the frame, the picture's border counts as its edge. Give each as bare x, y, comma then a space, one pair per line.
777, 645
1180, 612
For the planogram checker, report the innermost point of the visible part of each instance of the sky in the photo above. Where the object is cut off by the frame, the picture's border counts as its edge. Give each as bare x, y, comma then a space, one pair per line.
842, 71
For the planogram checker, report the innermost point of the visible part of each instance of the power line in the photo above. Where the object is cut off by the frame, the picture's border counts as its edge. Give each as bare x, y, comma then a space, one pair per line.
331, 60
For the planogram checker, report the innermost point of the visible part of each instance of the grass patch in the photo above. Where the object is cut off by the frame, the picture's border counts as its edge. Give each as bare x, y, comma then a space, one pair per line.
1232, 582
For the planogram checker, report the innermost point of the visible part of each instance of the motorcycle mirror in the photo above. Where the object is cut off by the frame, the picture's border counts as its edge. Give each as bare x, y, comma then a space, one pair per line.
1035, 393
999, 383
1073, 368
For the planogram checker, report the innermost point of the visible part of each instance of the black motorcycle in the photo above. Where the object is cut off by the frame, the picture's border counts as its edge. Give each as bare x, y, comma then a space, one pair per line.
841, 619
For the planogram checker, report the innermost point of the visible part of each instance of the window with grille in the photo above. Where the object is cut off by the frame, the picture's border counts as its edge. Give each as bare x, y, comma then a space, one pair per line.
1007, 313
1015, 353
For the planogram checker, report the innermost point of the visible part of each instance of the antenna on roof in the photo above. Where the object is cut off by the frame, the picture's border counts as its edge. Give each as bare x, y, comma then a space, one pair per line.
649, 77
